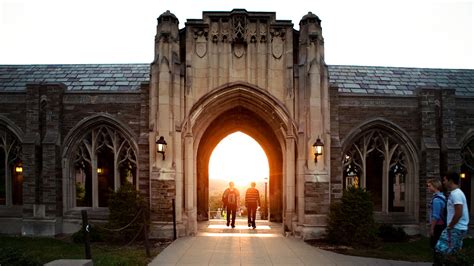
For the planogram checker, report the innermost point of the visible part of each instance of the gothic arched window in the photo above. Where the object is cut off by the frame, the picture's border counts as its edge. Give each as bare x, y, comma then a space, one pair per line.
11, 169
103, 160
467, 172
377, 161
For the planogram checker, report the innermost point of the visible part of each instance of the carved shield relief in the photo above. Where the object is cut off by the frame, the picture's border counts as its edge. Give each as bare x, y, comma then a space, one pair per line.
201, 46
239, 49
277, 47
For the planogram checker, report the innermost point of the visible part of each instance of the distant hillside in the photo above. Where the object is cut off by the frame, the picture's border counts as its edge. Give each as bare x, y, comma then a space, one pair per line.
217, 186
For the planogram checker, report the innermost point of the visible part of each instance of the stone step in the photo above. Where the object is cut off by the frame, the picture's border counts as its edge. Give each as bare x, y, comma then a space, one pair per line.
215, 226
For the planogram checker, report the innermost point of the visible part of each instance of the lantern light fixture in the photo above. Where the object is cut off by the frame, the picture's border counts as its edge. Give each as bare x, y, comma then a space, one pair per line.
19, 168
161, 146
317, 149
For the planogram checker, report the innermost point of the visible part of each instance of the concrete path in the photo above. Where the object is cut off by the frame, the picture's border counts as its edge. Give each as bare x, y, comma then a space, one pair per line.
216, 244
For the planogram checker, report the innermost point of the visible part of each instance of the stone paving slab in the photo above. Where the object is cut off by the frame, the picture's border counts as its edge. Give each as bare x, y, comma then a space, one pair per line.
241, 248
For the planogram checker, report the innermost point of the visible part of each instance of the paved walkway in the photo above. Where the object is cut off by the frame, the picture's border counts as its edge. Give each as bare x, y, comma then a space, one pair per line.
216, 244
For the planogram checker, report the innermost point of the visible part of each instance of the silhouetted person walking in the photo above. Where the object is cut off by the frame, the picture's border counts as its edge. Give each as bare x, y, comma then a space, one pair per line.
231, 198
252, 201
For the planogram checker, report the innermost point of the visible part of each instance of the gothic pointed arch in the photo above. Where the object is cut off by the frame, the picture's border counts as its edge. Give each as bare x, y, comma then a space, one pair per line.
467, 149
11, 163
380, 156
247, 108
467, 167
100, 155
236, 94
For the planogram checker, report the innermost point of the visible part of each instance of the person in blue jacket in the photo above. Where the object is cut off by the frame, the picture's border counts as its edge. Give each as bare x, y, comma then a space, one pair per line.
437, 210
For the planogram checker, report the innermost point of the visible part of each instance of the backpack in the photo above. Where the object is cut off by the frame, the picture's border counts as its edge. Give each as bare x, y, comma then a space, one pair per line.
231, 197
444, 212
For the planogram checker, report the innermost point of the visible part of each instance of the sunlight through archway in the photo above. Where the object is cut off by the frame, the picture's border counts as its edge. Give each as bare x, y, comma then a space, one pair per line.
238, 158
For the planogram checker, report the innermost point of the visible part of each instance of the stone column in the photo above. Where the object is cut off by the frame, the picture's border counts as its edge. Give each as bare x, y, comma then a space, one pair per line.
43, 211
290, 182
336, 149
300, 177
190, 177
429, 105
164, 110
449, 145
314, 122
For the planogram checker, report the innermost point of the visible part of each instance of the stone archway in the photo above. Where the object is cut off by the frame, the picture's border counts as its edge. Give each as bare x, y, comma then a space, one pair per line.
248, 122
224, 110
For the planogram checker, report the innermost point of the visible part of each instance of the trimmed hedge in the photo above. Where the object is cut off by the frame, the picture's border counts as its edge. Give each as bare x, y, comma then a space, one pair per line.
351, 220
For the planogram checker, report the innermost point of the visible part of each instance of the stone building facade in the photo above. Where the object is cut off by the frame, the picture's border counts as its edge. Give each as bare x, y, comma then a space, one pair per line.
69, 133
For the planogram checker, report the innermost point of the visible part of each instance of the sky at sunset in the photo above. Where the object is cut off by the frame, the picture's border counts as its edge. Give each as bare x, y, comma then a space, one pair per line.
404, 33
238, 158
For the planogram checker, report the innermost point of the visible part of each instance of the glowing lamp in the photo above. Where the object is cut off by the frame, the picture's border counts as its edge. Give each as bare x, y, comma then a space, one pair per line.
19, 169
161, 146
317, 149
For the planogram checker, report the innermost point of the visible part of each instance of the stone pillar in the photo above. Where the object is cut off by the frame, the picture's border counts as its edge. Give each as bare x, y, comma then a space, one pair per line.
162, 84
164, 108
190, 177
336, 149
290, 182
429, 105
43, 187
314, 121
300, 177
144, 144
449, 145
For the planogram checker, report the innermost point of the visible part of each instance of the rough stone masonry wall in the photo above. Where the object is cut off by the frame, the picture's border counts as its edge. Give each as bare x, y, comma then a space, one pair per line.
162, 193
316, 197
464, 114
336, 166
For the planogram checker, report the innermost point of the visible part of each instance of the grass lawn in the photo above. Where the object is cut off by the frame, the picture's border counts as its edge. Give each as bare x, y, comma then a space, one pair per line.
37, 251
416, 250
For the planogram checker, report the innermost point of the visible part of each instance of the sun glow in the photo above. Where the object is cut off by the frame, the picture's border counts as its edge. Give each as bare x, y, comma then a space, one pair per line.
238, 158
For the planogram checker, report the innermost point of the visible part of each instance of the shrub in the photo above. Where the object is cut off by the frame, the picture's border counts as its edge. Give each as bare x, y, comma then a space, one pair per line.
12, 256
389, 233
124, 205
351, 221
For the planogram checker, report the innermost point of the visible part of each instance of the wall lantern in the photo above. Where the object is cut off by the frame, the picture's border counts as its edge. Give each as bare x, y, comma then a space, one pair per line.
19, 169
100, 170
161, 146
317, 149
463, 175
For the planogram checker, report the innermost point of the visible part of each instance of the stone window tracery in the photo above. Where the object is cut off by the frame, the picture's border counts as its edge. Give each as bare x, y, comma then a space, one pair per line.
103, 160
467, 170
467, 154
11, 170
377, 161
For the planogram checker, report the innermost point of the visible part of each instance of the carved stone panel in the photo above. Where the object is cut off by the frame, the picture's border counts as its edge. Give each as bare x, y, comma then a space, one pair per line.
200, 37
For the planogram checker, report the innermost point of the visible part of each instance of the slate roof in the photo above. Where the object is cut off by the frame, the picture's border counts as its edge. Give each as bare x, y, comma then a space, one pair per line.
399, 80
349, 79
101, 77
